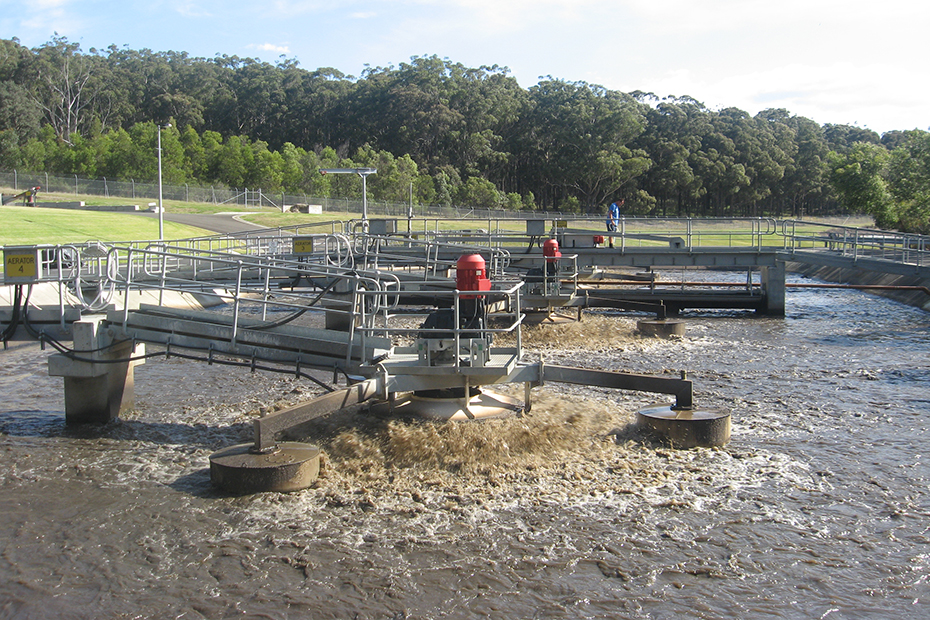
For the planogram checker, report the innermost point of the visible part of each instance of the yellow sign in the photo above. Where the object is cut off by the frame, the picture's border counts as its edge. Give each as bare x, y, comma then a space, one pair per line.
561, 224
20, 265
303, 245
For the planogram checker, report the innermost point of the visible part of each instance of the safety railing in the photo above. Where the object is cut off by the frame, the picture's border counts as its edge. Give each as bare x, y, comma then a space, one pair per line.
457, 334
675, 233
555, 280
857, 243
255, 286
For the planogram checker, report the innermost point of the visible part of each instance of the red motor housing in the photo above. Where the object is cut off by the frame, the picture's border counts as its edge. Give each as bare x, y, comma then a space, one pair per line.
551, 250
471, 275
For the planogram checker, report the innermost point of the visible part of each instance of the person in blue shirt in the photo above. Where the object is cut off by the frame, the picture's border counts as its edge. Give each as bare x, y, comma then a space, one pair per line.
613, 218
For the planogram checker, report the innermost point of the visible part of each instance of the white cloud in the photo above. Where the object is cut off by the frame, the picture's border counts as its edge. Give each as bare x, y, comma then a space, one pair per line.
838, 92
192, 9
270, 47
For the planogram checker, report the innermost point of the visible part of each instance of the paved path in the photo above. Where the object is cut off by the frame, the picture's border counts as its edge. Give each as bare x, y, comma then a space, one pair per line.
216, 222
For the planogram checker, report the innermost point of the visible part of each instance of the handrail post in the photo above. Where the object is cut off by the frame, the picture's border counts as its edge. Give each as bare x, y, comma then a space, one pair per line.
455, 326
129, 259
267, 287
236, 301
163, 272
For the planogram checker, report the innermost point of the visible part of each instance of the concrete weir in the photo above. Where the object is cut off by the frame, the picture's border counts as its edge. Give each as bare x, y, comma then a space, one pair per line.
906, 289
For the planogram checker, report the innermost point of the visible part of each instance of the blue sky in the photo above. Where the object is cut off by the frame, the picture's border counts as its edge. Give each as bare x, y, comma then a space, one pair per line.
854, 62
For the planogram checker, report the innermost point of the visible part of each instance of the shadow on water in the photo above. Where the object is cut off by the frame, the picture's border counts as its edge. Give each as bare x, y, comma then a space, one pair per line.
198, 484
51, 424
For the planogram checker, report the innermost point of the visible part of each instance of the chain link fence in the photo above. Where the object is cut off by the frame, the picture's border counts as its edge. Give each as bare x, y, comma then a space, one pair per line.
249, 198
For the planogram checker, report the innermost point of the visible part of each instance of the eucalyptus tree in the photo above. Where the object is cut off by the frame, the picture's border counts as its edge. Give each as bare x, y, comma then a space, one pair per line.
405, 110
438, 112
758, 161
20, 115
802, 187
674, 127
577, 136
841, 138
908, 175
257, 103
317, 107
20, 120
64, 84
856, 177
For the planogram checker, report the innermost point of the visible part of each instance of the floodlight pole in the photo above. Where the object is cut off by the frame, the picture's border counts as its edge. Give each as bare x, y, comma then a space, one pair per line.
161, 209
362, 172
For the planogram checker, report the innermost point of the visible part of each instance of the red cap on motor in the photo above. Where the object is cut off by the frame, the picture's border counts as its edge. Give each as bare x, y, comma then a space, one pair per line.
471, 275
551, 250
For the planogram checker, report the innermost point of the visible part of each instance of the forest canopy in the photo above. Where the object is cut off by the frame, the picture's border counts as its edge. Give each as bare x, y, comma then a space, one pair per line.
443, 133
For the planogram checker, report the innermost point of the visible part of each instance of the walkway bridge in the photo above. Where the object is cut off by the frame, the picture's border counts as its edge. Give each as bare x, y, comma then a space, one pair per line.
382, 312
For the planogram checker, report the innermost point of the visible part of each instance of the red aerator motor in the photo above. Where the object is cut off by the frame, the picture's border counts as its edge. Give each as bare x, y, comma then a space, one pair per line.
551, 250
471, 275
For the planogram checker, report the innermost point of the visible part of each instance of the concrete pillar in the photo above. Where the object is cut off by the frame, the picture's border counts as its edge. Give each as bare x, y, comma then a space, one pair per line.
97, 389
773, 283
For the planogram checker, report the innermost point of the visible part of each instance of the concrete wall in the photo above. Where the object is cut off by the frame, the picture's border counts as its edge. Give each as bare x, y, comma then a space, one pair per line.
911, 297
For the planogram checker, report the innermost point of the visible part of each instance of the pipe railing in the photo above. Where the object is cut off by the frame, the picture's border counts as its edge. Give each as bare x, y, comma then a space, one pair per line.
857, 243
248, 284
508, 294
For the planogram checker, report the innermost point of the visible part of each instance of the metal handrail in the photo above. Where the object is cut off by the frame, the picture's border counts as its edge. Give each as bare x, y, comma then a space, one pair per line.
249, 279
509, 292
854, 242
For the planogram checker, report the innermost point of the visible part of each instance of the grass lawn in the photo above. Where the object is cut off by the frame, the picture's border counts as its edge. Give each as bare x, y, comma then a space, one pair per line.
32, 226
21, 225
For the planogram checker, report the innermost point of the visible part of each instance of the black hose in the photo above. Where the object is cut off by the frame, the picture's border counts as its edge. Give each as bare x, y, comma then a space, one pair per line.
10, 329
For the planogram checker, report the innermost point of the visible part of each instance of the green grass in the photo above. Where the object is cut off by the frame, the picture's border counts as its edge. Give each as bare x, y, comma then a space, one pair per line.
33, 226
30, 226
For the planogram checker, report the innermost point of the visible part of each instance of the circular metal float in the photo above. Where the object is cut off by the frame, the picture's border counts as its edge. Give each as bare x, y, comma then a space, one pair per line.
687, 428
289, 466
665, 328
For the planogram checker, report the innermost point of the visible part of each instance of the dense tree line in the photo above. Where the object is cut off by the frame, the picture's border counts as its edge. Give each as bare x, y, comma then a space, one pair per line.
442, 133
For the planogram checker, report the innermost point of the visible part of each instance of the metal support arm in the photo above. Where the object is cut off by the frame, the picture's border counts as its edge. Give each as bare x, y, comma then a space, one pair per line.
681, 388
268, 426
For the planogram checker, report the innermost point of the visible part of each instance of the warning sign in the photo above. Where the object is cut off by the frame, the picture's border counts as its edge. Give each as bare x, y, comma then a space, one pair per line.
303, 245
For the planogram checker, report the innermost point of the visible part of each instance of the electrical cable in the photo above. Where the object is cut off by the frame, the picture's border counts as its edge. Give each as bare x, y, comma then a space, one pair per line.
168, 352
10, 329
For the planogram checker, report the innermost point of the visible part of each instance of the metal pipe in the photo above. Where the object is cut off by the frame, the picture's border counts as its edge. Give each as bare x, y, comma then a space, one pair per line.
679, 283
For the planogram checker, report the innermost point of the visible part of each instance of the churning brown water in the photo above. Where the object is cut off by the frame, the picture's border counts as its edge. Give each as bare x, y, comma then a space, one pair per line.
818, 508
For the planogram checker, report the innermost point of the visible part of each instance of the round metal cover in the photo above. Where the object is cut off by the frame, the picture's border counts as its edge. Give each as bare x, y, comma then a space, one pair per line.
687, 428
290, 466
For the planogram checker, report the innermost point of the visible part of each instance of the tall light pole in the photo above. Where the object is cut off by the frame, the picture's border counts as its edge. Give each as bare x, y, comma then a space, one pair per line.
362, 172
161, 208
